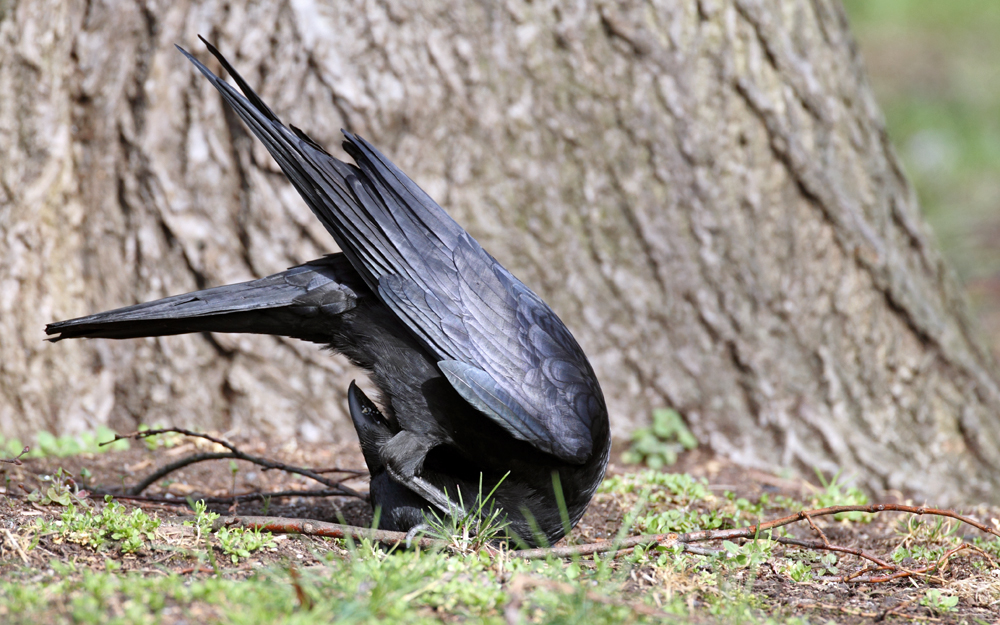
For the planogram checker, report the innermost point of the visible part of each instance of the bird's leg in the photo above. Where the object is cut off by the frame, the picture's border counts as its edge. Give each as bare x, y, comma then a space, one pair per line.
403, 456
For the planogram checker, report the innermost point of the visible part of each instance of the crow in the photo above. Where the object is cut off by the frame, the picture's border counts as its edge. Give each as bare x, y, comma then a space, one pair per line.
482, 388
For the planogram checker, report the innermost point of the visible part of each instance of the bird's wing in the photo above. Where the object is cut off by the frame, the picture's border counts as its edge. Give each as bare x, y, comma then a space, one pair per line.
291, 303
499, 345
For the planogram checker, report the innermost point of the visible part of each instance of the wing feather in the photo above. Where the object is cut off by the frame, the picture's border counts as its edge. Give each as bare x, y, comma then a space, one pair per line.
500, 346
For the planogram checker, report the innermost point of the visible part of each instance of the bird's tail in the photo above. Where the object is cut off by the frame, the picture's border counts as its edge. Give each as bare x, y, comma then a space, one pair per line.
298, 302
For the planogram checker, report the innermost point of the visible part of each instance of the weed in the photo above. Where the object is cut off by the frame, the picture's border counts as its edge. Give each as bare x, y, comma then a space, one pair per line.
483, 525
673, 487
937, 601
61, 490
203, 519
658, 445
240, 542
989, 545
799, 571
112, 525
836, 494
750, 554
679, 520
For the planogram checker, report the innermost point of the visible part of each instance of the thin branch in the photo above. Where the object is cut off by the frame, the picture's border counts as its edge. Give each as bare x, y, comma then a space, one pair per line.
750, 531
16, 544
822, 534
16, 460
164, 471
340, 470
674, 540
278, 525
237, 455
325, 492
827, 546
604, 546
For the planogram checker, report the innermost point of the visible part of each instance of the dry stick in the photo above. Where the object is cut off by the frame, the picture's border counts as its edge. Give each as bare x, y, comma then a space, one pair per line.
875, 508
278, 525
239, 455
671, 540
335, 530
339, 470
937, 565
814, 544
17, 545
881, 564
176, 466
822, 535
667, 540
16, 459
281, 525
325, 492
222, 455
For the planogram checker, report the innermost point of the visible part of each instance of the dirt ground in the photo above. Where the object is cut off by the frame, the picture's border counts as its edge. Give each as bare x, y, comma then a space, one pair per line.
820, 600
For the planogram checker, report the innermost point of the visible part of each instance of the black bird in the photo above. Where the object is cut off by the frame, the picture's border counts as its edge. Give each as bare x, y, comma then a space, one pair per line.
481, 384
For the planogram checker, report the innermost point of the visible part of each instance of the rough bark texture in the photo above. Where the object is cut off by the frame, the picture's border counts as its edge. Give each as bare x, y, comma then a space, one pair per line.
703, 190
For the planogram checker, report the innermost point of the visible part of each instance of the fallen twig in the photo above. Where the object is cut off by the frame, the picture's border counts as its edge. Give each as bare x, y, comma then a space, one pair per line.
278, 525
16, 544
752, 530
324, 492
234, 453
16, 460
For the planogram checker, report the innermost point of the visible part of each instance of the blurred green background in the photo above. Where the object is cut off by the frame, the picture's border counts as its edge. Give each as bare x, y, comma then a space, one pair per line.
935, 68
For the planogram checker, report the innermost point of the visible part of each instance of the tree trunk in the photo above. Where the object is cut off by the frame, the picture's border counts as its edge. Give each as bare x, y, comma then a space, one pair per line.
704, 191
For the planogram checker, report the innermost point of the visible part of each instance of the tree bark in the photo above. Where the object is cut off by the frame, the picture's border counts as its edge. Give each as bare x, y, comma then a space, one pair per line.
704, 191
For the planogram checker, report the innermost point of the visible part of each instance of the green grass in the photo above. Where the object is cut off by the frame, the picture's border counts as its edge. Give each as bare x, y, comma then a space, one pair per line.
368, 585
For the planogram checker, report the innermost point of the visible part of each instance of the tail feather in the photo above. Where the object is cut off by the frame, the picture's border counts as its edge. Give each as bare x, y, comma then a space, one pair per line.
290, 303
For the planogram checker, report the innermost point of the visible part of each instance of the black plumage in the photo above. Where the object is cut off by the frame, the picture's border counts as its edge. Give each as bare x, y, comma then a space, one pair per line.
480, 382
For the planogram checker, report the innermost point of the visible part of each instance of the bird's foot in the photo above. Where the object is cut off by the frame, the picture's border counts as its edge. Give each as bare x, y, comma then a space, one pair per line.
420, 528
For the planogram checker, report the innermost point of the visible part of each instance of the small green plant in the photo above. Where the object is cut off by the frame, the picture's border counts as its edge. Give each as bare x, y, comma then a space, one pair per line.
750, 554
61, 490
677, 488
836, 494
937, 601
112, 525
481, 526
799, 571
203, 519
678, 520
990, 545
828, 564
240, 542
659, 444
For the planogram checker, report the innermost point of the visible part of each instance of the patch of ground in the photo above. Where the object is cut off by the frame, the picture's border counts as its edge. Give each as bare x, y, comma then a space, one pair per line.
731, 495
